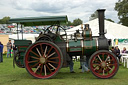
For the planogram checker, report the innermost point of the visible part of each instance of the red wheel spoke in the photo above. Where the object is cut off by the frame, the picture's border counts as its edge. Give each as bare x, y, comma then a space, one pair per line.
37, 68
45, 51
96, 61
34, 57
45, 72
41, 48
108, 71
110, 68
33, 61
99, 58
51, 65
54, 58
34, 65
96, 64
34, 53
111, 64
51, 54
49, 51
41, 69
100, 70
52, 62
107, 58
96, 67
38, 52
103, 72
48, 68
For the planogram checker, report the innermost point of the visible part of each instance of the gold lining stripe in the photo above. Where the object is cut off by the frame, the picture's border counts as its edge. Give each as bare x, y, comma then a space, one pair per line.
84, 34
82, 46
90, 34
67, 45
97, 43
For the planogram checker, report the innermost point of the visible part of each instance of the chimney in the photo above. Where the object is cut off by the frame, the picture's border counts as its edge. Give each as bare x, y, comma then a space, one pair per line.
101, 22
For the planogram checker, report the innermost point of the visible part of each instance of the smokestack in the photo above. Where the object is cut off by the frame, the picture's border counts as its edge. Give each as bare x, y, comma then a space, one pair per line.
101, 22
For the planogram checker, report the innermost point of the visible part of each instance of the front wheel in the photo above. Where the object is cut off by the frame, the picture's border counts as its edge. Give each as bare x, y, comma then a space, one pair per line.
103, 64
43, 59
18, 60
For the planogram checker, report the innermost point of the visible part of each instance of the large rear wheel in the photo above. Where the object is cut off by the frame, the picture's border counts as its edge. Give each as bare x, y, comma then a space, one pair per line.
103, 64
43, 59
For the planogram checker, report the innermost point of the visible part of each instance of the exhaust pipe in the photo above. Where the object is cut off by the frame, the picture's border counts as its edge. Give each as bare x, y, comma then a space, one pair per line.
102, 40
101, 23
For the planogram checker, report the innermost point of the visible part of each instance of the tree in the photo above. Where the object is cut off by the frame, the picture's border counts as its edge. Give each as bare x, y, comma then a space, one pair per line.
122, 8
69, 23
93, 16
109, 20
5, 20
77, 22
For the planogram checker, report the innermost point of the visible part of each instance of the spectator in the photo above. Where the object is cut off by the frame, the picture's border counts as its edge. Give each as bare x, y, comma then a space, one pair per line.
113, 50
86, 63
14, 49
1, 52
83, 64
124, 50
117, 50
71, 64
109, 42
9, 46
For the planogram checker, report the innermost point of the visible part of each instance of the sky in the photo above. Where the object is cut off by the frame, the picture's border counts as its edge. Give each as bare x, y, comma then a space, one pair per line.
72, 8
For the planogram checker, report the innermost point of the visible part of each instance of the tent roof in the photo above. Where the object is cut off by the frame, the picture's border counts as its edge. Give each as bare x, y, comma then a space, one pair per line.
114, 30
45, 20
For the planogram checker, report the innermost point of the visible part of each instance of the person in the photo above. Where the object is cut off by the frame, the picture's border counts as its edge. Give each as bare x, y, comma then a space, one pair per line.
113, 50
83, 64
109, 42
71, 64
86, 63
9, 46
1, 52
14, 49
124, 50
117, 50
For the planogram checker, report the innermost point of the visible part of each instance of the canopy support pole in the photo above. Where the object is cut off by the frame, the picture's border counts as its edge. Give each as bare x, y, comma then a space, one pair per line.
22, 30
17, 32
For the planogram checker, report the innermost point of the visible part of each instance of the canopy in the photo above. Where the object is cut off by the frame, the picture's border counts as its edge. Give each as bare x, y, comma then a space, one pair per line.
114, 30
36, 21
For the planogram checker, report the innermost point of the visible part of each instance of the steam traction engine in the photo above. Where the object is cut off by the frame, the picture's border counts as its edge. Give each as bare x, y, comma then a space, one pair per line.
52, 50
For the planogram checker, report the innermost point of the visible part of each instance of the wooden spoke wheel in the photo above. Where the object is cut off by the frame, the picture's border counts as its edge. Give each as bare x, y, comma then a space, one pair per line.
18, 60
103, 64
43, 59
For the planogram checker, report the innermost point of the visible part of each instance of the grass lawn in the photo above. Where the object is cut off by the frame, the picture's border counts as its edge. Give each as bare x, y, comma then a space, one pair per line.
19, 76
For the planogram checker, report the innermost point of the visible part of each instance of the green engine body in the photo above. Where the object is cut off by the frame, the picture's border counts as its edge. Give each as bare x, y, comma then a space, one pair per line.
82, 47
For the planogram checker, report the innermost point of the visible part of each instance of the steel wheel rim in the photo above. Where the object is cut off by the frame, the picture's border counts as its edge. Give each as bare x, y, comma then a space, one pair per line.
106, 69
45, 64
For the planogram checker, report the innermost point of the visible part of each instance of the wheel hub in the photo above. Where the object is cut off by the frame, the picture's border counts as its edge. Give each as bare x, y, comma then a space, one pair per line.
42, 60
103, 65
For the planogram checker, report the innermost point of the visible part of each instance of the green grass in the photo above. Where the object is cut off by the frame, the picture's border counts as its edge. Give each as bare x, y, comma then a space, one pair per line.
19, 76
